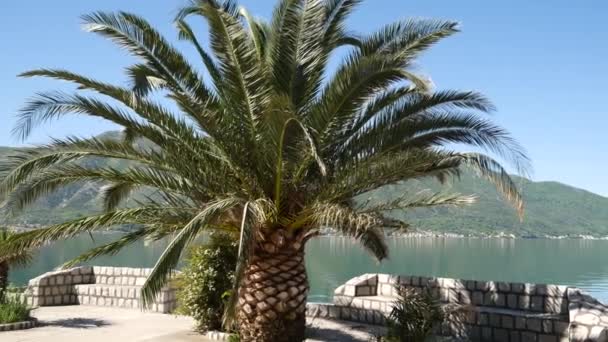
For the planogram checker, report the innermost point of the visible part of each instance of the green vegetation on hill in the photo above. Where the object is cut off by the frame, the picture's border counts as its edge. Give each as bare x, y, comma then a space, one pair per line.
552, 208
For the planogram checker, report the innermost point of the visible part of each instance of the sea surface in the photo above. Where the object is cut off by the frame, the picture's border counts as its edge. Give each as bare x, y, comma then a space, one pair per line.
331, 261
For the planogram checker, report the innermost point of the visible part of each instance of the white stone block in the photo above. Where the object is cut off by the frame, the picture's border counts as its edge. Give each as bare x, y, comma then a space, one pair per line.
349, 290
448, 283
587, 318
386, 289
140, 281
339, 290
383, 278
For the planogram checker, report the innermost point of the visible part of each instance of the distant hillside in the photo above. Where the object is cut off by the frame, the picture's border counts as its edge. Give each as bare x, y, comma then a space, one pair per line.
551, 208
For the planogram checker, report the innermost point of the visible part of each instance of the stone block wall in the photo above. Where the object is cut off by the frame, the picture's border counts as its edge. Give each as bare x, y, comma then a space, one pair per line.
101, 286
532, 298
57, 288
495, 311
588, 317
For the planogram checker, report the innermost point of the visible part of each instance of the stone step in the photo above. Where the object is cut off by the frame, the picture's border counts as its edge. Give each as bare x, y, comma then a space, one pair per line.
126, 303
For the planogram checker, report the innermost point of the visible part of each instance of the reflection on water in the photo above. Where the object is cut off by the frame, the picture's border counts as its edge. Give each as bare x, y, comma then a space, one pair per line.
333, 260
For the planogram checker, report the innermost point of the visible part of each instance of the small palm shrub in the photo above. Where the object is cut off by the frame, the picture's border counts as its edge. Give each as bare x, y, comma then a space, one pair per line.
13, 310
207, 280
413, 317
417, 313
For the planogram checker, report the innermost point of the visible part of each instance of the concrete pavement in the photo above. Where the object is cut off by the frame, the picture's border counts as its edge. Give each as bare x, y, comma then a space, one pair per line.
78, 323
102, 324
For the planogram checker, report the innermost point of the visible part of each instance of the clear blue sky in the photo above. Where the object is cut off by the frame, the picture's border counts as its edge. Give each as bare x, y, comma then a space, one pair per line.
544, 64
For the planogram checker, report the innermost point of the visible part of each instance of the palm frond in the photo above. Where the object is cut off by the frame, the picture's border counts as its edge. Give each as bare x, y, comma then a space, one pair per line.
354, 83
365, 227
259, 31
407, 38
138, 37
168, 260
492, 170
114, 194
253, 215
39, 237
336, 13
185, 33
111, 248
422, 199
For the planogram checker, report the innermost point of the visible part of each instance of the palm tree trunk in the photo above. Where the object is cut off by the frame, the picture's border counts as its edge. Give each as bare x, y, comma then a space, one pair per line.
272, 295
3, 279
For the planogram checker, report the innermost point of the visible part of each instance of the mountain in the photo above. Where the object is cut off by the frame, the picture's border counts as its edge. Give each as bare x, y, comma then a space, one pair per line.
552, 208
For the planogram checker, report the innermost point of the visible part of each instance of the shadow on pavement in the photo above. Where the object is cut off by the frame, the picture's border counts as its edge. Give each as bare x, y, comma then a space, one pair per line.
76, 323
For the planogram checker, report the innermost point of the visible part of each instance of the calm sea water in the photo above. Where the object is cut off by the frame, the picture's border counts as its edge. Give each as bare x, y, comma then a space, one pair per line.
333, 260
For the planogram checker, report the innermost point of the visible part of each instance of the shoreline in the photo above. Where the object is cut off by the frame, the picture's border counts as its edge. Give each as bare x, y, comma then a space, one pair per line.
502, 235
326, 232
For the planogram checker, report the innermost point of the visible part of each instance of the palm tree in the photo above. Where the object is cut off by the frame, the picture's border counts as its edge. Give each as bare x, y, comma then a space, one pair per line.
7, 261
267, 143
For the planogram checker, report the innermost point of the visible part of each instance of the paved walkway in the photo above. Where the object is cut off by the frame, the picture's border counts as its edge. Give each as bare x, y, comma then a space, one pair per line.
99, 324
103, 324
